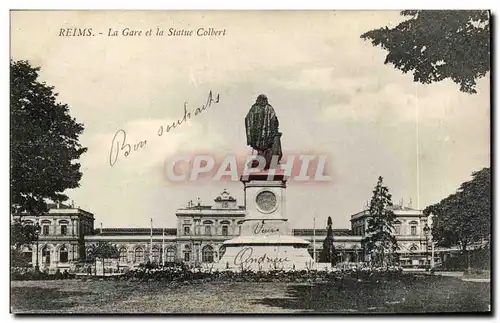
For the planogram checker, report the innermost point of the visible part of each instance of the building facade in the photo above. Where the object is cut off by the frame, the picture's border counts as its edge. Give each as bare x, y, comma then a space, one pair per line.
414, 243
61, 236
67, 236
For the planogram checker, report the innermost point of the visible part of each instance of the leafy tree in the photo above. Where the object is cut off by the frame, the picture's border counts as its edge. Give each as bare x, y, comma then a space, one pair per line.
22, 235
379, 239
438, 44
104, 250
328, 252
43, 141
465, 216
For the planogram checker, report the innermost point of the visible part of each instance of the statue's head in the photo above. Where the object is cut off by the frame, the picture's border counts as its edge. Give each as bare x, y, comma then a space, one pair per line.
262, 100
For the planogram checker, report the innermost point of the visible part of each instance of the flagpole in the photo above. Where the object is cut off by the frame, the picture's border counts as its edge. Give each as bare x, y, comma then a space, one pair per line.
314, 239
151, 242
163, 248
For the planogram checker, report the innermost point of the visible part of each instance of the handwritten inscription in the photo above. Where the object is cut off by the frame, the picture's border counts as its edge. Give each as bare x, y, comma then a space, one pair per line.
187, 115
260, 228
244, 257
119, 146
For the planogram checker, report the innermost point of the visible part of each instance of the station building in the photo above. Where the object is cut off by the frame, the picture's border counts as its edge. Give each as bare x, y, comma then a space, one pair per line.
68, 234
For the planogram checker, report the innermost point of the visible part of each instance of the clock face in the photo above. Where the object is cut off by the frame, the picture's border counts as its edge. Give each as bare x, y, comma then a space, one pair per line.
266, 201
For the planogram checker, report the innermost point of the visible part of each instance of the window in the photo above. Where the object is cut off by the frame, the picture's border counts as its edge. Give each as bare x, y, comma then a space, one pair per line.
413, 230
397, 227
139, 255
171, 255
46, 255
63, 254
208, 230
156, 255
45, 229
123, 255
225, 230
187, 253
64, 229
187, 230
207, 254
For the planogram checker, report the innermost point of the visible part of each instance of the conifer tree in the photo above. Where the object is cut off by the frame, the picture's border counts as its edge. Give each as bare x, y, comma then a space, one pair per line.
379, 241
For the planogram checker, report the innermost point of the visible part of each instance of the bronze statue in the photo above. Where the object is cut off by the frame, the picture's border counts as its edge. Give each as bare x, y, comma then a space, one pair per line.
262, 125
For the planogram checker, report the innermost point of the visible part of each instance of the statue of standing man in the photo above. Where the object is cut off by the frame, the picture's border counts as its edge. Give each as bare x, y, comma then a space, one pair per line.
262, 125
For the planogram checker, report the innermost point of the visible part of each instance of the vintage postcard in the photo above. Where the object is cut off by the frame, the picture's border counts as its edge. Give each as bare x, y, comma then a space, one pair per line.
250, 162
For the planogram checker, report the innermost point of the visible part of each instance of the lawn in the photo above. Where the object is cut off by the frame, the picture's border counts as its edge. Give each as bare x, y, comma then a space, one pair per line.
418, 294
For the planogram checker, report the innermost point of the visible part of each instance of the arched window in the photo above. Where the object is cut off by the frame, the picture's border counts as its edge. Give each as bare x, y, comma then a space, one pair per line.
63, 254
207, 254
170, 257
187, 252
139, 255
222, 251
123, 255
46, 255
413, 248
156, 255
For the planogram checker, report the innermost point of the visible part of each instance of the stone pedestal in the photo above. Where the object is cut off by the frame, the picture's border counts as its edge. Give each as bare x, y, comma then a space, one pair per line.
266, 241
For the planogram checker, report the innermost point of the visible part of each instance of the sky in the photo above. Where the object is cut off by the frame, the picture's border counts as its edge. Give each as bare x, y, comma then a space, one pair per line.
330, 89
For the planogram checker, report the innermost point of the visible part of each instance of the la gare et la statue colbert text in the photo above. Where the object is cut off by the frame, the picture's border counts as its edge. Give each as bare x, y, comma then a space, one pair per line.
127, 32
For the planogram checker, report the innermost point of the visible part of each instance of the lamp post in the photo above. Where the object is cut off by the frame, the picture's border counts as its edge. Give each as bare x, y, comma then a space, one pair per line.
426, 232
37, 234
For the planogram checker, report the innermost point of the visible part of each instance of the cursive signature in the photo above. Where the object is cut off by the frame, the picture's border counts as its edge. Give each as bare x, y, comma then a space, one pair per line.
120, 146
244, 257
260, 228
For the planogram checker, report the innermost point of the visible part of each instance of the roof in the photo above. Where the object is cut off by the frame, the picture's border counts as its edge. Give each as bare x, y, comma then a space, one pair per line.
321, 232
134, 231
399, 210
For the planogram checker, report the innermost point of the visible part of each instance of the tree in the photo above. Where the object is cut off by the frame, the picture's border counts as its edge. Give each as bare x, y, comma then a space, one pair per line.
439, 44
104, 250
43, 141
465, 216
328, 252
22, 235
44, 148
379, 239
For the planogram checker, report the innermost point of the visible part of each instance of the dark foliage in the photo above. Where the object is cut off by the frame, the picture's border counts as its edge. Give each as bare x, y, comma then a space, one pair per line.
438, 44
464, 217
43, 141
379, 240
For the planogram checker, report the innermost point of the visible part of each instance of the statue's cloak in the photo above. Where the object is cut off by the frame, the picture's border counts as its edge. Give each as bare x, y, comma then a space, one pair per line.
261, 125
